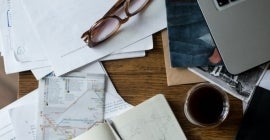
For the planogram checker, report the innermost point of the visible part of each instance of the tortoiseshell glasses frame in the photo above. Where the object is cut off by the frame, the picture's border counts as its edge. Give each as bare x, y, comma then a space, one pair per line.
110, 23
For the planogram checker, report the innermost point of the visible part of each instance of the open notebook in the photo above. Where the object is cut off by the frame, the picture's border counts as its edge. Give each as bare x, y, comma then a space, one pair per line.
151, 120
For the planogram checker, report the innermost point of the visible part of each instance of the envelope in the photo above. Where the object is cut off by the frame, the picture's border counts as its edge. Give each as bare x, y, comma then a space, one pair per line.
176, 76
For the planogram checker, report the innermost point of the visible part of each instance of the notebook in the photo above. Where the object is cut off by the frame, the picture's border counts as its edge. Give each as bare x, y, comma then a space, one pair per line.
255, 124
240, 29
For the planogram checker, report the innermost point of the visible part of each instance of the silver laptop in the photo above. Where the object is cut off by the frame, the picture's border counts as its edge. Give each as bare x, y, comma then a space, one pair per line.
241, 31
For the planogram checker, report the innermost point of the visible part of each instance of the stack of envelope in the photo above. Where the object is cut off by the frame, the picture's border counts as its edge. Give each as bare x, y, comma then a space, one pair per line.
45, 36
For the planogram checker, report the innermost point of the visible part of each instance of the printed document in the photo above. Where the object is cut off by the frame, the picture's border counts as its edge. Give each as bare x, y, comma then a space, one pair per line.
68, 106
114, 103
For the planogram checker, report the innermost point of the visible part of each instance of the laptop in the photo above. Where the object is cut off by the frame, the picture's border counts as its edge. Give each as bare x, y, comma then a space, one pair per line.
241, 31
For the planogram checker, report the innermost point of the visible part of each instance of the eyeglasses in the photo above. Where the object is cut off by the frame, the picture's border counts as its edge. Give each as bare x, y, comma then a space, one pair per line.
110, 23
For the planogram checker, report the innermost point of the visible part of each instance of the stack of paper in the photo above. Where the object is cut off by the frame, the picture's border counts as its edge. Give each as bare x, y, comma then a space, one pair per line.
44, 36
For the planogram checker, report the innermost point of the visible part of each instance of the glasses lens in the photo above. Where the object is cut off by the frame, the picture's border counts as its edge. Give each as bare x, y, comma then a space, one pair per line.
104, 29
136, 6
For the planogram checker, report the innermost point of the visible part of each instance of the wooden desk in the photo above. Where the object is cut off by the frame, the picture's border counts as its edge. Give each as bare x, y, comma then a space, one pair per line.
141, 78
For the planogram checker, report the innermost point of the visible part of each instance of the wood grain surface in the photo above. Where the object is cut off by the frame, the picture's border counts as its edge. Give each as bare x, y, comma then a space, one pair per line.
138, 79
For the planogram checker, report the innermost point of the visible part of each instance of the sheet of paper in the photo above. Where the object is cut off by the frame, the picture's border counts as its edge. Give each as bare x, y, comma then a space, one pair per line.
265, 82
100, 132
114, 104
153, 114
1, 42
11, 60
6, 127
42, 72
134, 50
64, 46
140, 45
24, 121
26, 40
124, 55
70, 105
2, 24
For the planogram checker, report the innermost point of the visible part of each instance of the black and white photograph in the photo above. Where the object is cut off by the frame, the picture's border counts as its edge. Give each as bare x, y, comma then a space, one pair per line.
241, 85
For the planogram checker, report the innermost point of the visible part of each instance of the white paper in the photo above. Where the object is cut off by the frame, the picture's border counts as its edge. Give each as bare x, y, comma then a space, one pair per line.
26, 41
41, 72
11, 59
124, 55
140, 45
70, 105
1, 42
136, 49
24, 120
61, 23
6, 127
101, 131
114, 104
265, 82
3, 7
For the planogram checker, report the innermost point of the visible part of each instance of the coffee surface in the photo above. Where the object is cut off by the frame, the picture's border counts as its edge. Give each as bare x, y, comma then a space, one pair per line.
206, 105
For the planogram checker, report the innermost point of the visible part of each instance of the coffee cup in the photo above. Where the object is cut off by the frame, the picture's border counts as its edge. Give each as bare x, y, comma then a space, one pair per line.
206, 105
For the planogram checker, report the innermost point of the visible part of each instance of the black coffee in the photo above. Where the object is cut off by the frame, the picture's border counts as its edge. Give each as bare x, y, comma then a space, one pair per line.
206, 105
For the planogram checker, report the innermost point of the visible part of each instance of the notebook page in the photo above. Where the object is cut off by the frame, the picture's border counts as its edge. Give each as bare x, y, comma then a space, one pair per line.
151, 120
